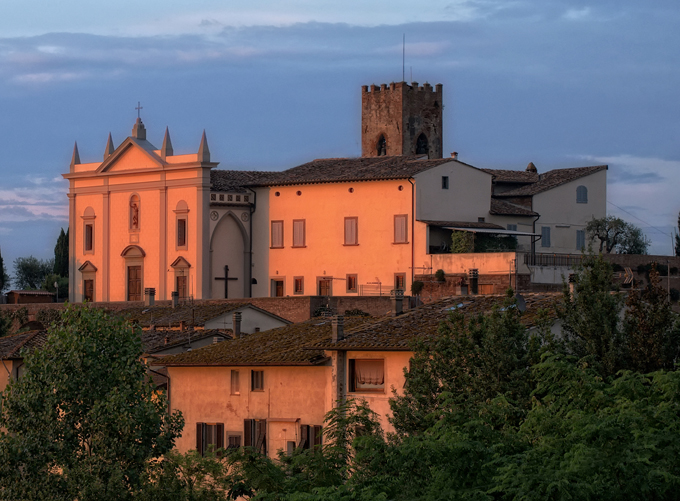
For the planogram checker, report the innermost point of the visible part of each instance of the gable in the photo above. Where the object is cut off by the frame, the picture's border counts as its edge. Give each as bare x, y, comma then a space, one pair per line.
131, 156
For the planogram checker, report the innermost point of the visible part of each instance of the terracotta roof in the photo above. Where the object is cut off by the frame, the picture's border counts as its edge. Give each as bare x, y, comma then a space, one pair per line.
552, 179
31, 293
503, 208
512, 176
238, 180
397, 333
282, 346
464, 224
167, 316
163, 339
11, 346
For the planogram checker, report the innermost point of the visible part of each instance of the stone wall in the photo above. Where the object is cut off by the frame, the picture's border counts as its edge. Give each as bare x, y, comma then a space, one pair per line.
488, 284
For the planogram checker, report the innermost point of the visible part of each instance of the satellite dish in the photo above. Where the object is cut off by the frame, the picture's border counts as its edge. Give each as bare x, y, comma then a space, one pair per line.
521, 303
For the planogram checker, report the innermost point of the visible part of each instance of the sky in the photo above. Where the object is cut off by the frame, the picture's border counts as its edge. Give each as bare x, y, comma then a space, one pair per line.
276, 84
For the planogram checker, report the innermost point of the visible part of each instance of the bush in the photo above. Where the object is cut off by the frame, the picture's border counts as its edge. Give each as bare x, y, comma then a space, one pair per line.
440, 276
417, 287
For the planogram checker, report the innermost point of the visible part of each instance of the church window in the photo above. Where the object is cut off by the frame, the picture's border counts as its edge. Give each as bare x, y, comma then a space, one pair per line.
257, 380
581, 195
89, 237
366, 375
401, 229
381, 146
422, 147
277, 235
299, 233
134, 213
298, 285
445, 182
351, 231
181, 233
352, 283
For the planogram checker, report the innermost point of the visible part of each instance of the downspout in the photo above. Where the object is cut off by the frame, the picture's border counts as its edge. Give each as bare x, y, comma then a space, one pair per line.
253, 208
413, 227
534, 240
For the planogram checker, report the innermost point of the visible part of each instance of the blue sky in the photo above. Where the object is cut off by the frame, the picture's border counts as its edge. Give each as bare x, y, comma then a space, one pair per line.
275, 84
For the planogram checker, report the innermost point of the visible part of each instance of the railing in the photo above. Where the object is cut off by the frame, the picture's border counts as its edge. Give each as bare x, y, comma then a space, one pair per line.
566, 260
375, 289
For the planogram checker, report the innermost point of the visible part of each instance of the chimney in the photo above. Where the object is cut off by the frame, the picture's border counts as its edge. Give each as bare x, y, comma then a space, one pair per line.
237, 324
175, 298
473, 274
397, 298
338, 328
454, 155
149, 296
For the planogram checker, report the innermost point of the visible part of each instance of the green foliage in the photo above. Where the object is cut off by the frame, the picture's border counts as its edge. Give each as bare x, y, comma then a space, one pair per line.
417, 287
616, 235
675, 294
440, 276
30, 272
677, 239
61, 251
5, 323
4, 277
590, 316
462, 242
62, 282
48, 316
84, 420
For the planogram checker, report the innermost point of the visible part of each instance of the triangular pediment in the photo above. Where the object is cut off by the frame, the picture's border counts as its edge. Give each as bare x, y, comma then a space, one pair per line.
180, 262
87, 267
133, 154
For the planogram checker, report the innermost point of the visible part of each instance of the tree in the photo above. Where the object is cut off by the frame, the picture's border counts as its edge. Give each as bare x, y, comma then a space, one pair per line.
30, 272
677, 238
4, 278
61, 253
590, 316
84, 420
615, 234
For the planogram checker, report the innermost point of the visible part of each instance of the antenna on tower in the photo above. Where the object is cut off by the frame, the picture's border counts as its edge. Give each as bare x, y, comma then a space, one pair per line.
403, 59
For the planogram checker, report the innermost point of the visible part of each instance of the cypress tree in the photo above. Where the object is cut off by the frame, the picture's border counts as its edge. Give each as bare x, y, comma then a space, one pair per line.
61, 255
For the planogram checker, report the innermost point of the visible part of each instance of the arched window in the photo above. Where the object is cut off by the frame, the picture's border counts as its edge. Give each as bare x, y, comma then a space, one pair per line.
134, 213
382, 146
422, 147
581, 195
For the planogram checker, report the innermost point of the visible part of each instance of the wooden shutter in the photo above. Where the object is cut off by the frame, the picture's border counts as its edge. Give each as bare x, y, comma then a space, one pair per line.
261, 433
304, 437
352, 375
220, 436
277, 233
316, 436
351, 224
248, 432
298, 233
199, 438
400, 229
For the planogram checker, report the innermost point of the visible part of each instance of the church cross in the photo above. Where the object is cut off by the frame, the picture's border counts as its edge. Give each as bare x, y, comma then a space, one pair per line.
226, 279
138, 108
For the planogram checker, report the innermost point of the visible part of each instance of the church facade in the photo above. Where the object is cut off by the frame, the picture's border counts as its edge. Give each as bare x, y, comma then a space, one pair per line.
145, 218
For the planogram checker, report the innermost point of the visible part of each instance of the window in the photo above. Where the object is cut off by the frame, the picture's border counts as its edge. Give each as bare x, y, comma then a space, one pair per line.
257, 380
512, 227
366, 375
381, 146
581, 195
401, 229
277, 234
181, 233
351, 283
445, 182
481, 219
298, 285
277, 288
422, 147
233, 441
209, 436
255, 434
545, 236
400, 281
325, 286
235, 383
351, 231
89, 230
298, 232
88, 290
310, 436
580, 239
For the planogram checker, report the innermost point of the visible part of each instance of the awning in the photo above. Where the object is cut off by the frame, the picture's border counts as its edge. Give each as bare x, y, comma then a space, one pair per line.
494, 231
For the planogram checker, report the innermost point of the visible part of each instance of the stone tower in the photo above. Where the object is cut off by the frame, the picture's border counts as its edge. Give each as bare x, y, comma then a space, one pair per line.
401, 119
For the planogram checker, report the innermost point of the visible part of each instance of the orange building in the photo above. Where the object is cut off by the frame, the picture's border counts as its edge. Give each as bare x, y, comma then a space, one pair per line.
145, 218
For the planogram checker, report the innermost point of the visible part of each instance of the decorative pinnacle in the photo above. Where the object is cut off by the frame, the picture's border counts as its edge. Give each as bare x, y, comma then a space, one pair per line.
166, 149
109, 147
75, 159
203, 150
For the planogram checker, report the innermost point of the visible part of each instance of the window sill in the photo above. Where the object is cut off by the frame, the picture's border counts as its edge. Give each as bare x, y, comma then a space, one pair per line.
351, 292
258, 391
350, 245
282, 247
400, 243
236, 394
363, 390
298, 293
299, 246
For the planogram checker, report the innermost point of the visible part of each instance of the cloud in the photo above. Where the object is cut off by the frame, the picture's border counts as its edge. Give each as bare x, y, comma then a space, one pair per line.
33, 203
577, 14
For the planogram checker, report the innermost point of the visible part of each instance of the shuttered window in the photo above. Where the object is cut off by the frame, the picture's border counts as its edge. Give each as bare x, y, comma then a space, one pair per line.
310, 436
298, 233
545, 236
581, 195
181, 233
209, 437
257, 380
401, 229
277, 234
298, 285
255, 434
580, 239
351, 231
351, 283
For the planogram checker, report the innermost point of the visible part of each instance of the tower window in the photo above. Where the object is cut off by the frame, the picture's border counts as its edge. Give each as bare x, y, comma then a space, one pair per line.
382, 146
422, 147
445, 182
